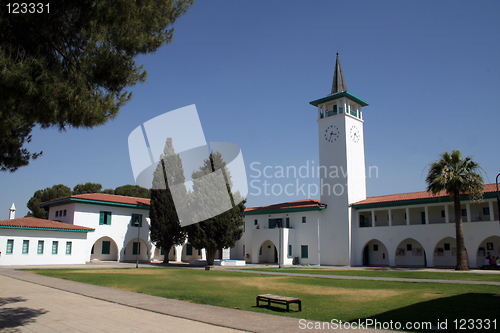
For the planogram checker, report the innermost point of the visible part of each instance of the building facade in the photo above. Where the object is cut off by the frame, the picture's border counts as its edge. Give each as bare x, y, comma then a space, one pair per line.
345, 227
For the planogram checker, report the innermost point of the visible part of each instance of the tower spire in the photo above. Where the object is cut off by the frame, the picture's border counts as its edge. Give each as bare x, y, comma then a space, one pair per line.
338, 84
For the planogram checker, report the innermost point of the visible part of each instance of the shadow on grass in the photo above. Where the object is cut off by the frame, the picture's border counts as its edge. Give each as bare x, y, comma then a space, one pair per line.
10, 318
449, 314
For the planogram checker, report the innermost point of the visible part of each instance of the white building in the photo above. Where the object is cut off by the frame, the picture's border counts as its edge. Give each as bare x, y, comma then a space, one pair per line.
346, 228
33, 241
87, 227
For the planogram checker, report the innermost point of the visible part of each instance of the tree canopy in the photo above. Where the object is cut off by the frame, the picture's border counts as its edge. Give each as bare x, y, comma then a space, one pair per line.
61, 191
456, 175
70, 67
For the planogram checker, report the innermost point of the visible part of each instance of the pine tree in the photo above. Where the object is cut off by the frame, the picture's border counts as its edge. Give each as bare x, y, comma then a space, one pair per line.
50, 193
166, 230
220, 231
70, 66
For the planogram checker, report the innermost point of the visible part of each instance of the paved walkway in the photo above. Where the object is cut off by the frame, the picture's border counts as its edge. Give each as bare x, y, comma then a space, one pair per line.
373, 278
36, 303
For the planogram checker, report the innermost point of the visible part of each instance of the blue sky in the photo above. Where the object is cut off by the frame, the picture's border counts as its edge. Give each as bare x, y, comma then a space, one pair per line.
430, 71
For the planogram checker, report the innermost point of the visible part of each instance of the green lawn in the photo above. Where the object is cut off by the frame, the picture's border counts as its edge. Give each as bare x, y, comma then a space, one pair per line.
463, 276
322, 299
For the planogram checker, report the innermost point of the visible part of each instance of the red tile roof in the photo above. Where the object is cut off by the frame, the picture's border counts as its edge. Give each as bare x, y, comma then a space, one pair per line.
105, 198
36, 223
287, 205
414, 196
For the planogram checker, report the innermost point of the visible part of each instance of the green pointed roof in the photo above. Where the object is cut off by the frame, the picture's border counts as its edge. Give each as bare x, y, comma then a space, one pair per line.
339, 88
338, 84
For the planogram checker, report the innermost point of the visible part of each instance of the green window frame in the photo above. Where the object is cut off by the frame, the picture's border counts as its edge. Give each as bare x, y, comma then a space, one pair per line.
260, 251
303, 219
55, 246
57, 213
464, 212
133, 218
272, 223
64, 212
189, 249
39, 249
162, 251
199, 252
26, 246
486, 210
136, 248
10, 246
69, 245
104, 218
304, 251
289, 250
287, 222
106, 246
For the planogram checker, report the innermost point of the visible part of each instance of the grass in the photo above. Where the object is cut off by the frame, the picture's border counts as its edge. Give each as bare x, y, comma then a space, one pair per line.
322, 299
408, 274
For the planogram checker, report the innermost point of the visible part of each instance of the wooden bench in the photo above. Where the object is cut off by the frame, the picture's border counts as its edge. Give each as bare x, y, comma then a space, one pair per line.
270, 298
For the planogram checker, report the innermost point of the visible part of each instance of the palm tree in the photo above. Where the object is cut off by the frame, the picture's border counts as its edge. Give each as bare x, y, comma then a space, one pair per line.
456, 175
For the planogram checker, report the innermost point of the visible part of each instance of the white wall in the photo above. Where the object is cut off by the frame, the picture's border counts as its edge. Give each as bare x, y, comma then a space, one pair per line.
79, 249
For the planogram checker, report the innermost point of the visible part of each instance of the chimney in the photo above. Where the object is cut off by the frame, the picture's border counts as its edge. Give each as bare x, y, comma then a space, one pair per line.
12, 213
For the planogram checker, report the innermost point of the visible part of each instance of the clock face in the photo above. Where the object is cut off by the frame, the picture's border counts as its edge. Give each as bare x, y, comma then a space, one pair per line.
331, 133
355, 135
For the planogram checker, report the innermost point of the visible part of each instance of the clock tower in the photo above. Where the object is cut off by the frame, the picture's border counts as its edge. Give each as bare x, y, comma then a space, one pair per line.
342, 167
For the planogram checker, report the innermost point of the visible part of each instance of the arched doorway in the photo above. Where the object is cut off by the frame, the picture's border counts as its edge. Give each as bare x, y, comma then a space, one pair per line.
490, 245
410, 253
104, 249
445, 253
375, 254
132, 249
268, 253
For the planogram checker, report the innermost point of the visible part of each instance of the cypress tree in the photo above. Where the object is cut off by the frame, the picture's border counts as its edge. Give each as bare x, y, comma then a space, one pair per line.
165, 227
220, 231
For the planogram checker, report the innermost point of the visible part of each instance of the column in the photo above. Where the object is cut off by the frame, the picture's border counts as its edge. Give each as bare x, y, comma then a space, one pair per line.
492, 211
390, 217
373, 218
426, 214
467, 206
407, 216
446, 214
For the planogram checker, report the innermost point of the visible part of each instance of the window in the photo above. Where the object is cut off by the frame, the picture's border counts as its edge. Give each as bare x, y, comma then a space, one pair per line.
443, 214
105, 218
39, 250
136, 217
68, 247
57, 213
272, 223
106, 246
486, 210
255, 222
375, 247
447, 246
199, 252
136, 248
422, 215
26, 246
55, 245
64, 212
303, 219
408, 247
10, 246
289, 250
288, 222
304, 251
260, 251
162, 252
189, 249
243, 250
464, 212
